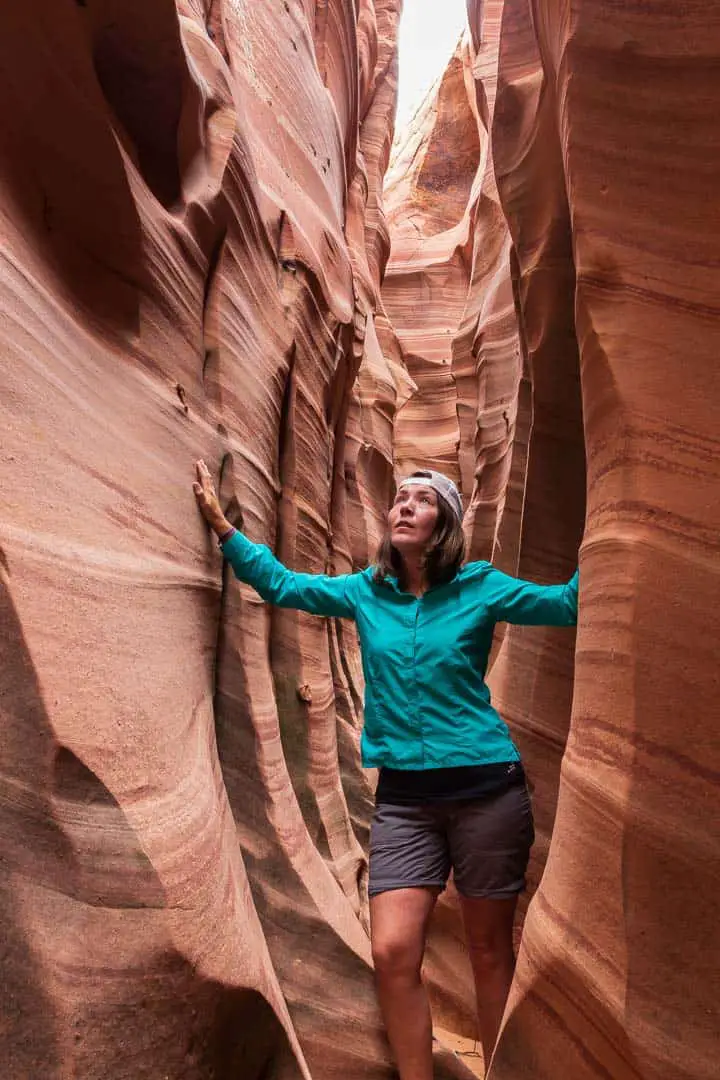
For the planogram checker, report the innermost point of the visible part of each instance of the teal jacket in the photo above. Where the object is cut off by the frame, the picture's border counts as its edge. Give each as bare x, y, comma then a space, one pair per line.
427, 704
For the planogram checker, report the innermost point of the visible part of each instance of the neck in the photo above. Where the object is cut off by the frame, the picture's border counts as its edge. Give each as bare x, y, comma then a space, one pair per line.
414, 574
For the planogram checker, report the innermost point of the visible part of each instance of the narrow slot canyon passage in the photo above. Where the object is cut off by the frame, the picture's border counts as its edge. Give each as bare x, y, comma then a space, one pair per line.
216, 246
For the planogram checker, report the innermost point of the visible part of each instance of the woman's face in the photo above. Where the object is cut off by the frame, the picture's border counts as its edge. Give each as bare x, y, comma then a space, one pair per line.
412, 519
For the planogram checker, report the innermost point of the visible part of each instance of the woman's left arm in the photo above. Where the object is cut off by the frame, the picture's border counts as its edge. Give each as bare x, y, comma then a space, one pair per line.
525, 603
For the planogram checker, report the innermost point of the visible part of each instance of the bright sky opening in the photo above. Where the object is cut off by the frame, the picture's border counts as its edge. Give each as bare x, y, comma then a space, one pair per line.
429, 32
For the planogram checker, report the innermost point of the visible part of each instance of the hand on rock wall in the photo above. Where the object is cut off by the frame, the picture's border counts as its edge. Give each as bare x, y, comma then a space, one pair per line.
207, 500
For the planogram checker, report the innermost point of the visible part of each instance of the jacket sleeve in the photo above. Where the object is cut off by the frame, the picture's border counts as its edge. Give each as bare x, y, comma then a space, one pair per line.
515, 601
319, 594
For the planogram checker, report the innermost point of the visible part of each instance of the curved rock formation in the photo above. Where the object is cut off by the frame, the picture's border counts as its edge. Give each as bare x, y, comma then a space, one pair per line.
194, 246
597, 147
194, 241
615, 976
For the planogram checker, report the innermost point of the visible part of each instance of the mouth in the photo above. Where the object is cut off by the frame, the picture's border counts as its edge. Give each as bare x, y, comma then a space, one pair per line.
403, 525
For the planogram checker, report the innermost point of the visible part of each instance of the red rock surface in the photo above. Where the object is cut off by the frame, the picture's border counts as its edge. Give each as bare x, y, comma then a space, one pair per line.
193, 245
598, 140
609, 117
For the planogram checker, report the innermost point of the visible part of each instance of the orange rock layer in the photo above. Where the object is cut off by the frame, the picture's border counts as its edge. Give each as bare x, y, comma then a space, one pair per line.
554, 299
193, 246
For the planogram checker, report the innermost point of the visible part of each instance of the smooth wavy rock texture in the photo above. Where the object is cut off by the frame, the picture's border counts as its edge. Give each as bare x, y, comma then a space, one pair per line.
569, 276
607, 156
196, 262
193, 246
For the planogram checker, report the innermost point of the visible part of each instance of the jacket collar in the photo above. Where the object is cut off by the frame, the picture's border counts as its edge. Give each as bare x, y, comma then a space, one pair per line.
392, 582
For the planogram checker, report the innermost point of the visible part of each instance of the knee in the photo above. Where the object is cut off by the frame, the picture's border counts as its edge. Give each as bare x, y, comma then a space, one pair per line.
488, 953
395, 956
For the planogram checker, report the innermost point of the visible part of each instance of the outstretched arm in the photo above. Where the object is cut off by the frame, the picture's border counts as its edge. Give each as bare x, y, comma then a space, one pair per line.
515, 601
256, 565
320, 594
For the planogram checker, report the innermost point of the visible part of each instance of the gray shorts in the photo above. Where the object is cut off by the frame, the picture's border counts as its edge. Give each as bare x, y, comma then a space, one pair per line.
485, 841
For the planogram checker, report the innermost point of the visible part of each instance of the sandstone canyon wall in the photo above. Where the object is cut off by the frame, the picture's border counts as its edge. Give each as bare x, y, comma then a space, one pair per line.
615, 976
569, 281
193, 246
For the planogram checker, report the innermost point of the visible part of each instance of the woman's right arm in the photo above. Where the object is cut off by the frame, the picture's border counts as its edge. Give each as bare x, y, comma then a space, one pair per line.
320, 594
255, 564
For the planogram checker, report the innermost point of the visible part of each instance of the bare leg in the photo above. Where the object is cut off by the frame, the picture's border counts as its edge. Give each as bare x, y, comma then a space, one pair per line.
398, 927
489, 932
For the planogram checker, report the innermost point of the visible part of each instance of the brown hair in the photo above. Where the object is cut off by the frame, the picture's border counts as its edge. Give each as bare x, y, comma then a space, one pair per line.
444, 555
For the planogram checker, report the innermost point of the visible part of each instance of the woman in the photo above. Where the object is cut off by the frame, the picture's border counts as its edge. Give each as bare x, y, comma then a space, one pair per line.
451, 791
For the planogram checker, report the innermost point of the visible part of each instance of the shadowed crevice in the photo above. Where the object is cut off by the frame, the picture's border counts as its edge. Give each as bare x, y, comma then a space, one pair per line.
142, 69
74, 781
211, 314
215, 24
63, 170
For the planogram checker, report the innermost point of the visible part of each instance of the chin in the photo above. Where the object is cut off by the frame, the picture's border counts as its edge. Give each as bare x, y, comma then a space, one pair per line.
404, 541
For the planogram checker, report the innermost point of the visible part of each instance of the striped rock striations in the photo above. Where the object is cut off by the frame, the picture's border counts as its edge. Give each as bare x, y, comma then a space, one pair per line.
576, 392
194, 249
193, 246
617, 976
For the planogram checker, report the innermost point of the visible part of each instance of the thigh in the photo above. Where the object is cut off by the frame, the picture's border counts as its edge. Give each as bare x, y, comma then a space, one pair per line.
490, 841
408, 849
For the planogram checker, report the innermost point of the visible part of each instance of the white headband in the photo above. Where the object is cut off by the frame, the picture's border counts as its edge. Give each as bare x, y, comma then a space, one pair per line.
440, 484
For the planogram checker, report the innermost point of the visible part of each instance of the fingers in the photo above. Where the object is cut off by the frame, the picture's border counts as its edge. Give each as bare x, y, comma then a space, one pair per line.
204, 484
207, 500
205, 494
